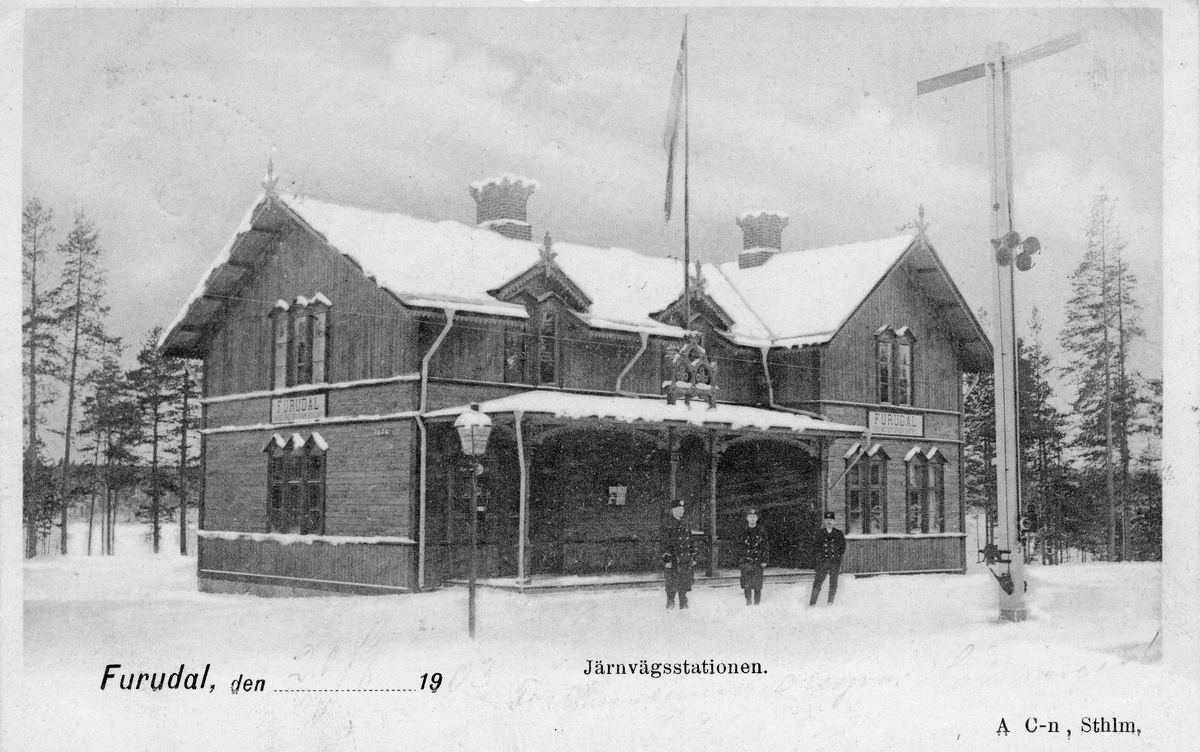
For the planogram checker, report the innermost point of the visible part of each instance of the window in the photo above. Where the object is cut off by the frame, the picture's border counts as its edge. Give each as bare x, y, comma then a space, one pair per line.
877, 491
894, 365
854, 512
547, 347
883, 354
937, 491
916, 493
866, 490
616, 495
514, 356
296, 485
300, 341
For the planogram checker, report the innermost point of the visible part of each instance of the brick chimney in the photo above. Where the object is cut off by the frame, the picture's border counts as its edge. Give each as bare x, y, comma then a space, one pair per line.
762, 236
500, 204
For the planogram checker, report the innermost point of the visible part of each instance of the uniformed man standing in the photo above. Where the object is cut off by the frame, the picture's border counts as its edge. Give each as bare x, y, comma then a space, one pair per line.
831, 544
756, 549
679, 556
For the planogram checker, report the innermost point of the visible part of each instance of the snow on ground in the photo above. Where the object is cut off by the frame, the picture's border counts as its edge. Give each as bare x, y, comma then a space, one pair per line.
915, 662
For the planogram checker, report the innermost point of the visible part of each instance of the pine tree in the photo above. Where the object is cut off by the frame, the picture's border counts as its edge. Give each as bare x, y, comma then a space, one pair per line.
1102, 320
39, 365
186, 413
154, 383
106, 418
81, 315
1042, 433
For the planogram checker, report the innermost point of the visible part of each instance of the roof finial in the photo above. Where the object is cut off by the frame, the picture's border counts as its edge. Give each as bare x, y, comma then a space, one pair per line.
271, 179
699, 283
546, 251
920, 225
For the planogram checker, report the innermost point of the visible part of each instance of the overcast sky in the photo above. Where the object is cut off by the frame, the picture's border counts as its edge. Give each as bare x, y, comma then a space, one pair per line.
159, 123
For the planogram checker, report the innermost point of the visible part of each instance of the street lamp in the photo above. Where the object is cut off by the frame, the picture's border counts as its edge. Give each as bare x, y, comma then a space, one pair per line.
473, 428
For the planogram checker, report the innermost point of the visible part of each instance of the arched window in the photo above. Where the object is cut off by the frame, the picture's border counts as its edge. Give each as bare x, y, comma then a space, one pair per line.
296, 484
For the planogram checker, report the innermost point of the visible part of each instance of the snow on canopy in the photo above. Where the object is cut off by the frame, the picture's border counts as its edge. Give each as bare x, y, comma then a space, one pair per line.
656, 411
798, 298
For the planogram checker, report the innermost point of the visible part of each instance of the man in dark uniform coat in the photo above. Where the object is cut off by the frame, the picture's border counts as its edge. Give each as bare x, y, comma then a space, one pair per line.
756, 549
831, 544
679, 556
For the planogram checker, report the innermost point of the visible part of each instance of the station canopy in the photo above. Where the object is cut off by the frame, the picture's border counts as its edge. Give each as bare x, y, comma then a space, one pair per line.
656, 411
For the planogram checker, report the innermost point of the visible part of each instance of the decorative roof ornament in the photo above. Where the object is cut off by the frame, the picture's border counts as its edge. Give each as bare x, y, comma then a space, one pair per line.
920, 225
546, 251
699, 284
271, 179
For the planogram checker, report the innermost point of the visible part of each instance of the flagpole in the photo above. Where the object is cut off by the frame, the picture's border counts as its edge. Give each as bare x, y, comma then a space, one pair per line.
687, 256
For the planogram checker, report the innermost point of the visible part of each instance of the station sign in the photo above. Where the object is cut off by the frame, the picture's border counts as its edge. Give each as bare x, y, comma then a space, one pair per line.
293, 409
896, 424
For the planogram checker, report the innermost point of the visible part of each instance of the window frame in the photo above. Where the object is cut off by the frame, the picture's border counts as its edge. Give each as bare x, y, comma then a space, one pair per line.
936, 463
296, 487
855, 512
916, 493
299, 342
548, 344
891, 388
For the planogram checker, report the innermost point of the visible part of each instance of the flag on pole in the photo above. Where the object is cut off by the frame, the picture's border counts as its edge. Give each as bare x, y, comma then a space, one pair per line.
671, 135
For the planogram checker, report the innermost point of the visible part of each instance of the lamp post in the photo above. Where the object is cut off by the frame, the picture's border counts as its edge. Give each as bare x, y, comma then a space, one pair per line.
473, 428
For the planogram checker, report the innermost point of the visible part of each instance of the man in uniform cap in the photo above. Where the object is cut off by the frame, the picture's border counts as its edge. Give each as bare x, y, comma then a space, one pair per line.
831, 544
756, 549
679, 556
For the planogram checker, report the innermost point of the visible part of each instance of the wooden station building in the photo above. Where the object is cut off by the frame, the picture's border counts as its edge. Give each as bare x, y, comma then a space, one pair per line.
340, 342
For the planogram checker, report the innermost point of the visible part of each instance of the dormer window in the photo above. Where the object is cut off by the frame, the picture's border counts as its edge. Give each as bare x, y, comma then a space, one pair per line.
894, 366
548, 347
301, 339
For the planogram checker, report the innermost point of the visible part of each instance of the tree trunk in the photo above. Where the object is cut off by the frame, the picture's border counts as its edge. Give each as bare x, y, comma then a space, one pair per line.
66, 468
92, 507
154, 490
183, 469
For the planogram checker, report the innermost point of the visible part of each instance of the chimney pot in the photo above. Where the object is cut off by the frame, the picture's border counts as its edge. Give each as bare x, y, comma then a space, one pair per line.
500, 204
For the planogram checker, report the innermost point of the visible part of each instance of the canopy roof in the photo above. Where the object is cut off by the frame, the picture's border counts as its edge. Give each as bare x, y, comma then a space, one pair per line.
655, 411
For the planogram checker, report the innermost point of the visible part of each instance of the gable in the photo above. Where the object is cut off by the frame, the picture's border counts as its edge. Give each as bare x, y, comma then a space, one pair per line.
544, 278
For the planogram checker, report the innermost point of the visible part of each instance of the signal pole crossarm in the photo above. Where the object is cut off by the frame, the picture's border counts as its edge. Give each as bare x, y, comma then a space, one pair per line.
1008, 481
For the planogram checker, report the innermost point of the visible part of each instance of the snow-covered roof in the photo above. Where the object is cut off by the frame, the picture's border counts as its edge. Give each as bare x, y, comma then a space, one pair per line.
798, 298
804, 297
655, 411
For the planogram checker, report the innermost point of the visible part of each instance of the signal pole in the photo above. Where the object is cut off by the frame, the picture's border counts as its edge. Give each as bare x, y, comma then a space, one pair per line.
1005, 244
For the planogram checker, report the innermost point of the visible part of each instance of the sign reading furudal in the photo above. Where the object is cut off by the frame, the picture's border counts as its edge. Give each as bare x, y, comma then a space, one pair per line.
292, 409
897, 424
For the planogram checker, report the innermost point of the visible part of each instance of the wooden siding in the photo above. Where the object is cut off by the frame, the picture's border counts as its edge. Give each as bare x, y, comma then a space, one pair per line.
379, 399
795, 375
369, 332
848, 363
389, 564
896, 488
905, 554
369, 483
